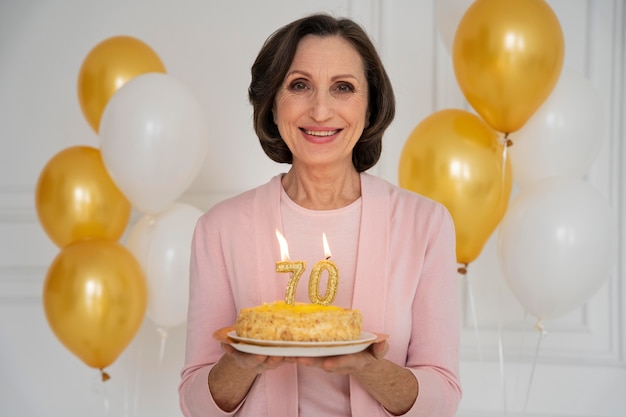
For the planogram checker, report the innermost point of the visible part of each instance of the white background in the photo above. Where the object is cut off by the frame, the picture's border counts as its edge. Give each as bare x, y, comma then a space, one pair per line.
580, 367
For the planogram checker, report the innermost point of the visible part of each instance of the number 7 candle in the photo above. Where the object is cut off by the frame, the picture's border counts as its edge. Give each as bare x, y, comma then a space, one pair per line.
285, 265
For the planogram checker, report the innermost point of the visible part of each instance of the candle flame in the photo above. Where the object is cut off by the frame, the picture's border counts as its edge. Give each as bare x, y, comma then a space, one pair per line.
284, 249
327, 253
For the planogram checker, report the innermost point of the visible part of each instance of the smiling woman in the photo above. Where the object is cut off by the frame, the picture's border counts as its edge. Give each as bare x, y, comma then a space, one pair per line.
270, 75
322, 101
211, 47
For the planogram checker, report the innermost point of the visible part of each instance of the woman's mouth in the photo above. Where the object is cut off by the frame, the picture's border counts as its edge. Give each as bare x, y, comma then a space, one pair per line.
320, 133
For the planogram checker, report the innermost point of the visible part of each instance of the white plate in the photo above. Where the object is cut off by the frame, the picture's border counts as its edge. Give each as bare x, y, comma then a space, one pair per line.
284, 348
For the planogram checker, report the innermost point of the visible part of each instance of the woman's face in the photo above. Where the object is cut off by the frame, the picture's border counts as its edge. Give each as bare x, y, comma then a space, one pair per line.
321, 107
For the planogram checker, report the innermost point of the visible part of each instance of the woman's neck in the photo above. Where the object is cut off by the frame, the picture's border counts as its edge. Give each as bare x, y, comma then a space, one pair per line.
322, 190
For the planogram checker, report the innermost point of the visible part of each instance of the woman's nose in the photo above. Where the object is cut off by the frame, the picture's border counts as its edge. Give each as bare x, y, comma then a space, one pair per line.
321, 106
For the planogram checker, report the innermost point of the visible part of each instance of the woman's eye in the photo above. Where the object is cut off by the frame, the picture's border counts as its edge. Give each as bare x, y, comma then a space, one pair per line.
298, 85
345, 88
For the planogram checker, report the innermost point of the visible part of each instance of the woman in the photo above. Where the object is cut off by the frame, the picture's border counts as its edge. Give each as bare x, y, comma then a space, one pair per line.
322, 101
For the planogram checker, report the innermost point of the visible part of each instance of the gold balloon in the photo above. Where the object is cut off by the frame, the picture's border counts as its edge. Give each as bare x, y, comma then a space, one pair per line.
94, 299
108, 66
455, 158
507, 58
76, 198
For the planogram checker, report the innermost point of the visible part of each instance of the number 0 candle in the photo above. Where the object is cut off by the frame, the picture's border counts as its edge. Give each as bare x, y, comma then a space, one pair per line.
285, 265
333, 278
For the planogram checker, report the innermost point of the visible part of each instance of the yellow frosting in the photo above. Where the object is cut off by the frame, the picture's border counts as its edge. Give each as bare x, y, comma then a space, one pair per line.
296, 308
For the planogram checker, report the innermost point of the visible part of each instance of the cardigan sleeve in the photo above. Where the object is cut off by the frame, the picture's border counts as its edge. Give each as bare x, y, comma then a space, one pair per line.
206, 313
407, 288
230, 251
433, 354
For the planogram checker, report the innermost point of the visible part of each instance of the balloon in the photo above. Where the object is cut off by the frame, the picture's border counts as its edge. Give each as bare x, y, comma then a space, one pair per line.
455, 158
555, 245
507, 57
76, 199
564, 136
154, 139
108, 66
162, 245
95, 299
448, 14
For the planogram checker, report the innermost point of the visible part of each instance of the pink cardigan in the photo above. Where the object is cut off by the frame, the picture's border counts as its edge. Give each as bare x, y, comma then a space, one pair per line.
405, 287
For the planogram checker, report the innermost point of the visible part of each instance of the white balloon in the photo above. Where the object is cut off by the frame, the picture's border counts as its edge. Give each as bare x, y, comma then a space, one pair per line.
448, 14
563, 137
154, 140
162, 245
555, 245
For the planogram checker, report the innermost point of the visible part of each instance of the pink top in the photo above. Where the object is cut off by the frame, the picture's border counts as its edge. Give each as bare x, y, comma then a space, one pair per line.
405, 287
303, 230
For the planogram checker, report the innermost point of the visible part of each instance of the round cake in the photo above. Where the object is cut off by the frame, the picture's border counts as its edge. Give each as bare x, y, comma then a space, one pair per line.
299, 322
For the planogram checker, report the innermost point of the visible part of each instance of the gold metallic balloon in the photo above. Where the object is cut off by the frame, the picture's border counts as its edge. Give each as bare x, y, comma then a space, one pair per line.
455, 158
107, 67
507, 57
94, 299
76, 198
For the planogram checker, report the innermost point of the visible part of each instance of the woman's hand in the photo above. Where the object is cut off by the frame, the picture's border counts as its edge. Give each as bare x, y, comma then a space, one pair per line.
348, 364
257, 363
393, 386
233, 375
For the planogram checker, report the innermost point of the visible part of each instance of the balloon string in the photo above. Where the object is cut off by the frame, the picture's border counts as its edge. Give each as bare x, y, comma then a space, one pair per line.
501, 352
505, 148
502, 378
139, 367
105, 395
164, 335
520, 350
539, 327
133, 357
463, 270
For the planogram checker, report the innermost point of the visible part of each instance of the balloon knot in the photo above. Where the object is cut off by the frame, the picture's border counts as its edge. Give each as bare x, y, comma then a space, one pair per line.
462, 269
539, 327
506, 141
105, 376
162, 332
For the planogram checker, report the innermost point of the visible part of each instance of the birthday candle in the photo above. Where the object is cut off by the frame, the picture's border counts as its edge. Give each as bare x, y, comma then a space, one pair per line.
285, 265
333, 278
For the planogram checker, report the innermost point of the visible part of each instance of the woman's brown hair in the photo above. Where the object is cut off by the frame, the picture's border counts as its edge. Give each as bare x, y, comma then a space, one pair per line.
273, 62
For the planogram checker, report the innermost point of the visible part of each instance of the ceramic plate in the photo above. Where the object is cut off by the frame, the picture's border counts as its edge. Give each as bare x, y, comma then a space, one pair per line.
285, 348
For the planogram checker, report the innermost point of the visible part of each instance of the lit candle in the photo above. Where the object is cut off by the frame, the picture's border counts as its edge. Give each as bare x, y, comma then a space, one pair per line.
285, 265
333, 278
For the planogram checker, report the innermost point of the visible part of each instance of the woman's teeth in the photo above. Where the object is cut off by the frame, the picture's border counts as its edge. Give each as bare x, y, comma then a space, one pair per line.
320, 133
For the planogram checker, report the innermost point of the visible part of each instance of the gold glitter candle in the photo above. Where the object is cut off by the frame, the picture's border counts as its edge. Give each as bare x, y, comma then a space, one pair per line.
285, 265
314, 282
333, 278
296, 268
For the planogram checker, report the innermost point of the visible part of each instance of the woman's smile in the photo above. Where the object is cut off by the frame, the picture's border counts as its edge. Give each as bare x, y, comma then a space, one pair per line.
320, 135
321, 108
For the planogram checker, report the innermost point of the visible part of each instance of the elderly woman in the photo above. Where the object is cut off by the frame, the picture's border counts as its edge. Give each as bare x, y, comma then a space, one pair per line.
322, 101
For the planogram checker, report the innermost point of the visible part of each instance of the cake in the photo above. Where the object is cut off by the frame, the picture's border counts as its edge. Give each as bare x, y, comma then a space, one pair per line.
300, 322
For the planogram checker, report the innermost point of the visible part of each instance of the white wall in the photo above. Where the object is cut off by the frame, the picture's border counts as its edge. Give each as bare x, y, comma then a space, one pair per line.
581, 367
